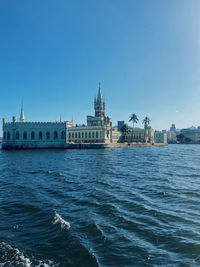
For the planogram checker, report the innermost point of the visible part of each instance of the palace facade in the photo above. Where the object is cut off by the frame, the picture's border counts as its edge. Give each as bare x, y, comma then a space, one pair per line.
24, 135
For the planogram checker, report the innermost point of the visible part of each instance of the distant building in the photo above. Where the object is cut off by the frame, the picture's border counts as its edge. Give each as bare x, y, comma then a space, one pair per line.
160, 137
191, 135
144, 136
171, 135
173, 128
119, 125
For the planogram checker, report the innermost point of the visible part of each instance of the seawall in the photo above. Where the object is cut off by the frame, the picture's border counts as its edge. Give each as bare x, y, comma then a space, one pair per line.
81, 146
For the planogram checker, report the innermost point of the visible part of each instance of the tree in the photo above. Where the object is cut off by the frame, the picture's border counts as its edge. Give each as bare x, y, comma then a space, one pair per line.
124, 130
146, 122
180, 137
134, 119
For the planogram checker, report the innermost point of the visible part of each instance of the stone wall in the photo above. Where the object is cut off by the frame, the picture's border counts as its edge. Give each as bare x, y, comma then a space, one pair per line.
38, 134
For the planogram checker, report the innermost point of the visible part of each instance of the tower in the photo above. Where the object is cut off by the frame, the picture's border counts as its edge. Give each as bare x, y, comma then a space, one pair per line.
99, 104
22, 118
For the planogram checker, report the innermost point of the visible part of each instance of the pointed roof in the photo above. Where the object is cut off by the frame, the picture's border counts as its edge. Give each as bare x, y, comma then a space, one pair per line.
22, 118
99, 97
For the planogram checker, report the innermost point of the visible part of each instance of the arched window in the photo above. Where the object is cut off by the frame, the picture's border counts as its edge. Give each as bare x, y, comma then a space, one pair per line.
47, 135
55, 135
92, 134
25, 135
4, 135
75, 135
17, 135
79, 135
69, 135
8, 135
32, 135
89, 134
40, 135
86, 135
63, 135
97, 135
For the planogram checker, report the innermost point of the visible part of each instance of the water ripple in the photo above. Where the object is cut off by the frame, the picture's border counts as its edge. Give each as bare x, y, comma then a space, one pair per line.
118, 207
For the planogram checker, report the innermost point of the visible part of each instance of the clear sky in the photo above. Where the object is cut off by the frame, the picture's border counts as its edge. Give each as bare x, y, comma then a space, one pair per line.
145, 53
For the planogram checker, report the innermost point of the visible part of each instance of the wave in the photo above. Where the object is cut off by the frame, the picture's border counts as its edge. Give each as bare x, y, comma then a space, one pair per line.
15, 256
10, 256
59, 220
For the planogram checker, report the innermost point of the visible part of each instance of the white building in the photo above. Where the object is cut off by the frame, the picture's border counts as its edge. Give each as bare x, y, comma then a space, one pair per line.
191, 135
24, 135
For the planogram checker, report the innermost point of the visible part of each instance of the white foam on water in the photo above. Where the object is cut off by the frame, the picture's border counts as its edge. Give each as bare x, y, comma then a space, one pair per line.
48, 264
58, 219
16, 257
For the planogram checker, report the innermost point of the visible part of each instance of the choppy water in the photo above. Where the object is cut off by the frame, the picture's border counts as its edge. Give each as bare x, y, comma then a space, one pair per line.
122, 207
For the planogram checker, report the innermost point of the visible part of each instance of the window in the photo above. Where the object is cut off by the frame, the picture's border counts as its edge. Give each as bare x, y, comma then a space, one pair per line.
32, 135
89, 134
97, 135
17, 135
40, 135
4, 135
92, 134
75, 135
25, 135
63, 135
69, 135
55, 135
47, 135
86, 135
8, 135
79, 135
82, 135
72, 135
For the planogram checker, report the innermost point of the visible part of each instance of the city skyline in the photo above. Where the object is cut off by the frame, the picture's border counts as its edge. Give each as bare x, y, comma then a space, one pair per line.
145, 54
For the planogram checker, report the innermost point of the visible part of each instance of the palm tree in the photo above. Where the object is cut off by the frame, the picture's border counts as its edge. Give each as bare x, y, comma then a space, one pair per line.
134, 119
124, 130
146, 122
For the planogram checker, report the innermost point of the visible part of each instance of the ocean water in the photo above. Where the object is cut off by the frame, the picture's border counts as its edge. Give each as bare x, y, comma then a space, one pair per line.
116, 207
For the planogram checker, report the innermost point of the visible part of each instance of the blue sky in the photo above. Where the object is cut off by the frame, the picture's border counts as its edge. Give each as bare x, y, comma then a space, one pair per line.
145, 53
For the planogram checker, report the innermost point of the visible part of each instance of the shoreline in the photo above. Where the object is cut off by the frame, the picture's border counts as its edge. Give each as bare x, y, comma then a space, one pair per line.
81, 146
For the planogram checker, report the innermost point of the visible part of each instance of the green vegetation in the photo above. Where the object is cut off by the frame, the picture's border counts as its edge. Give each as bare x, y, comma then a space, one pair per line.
180, 137
134, 119
146, 122
124, 130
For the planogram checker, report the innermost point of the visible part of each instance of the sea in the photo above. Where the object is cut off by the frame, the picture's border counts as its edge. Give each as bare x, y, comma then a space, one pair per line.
112, 207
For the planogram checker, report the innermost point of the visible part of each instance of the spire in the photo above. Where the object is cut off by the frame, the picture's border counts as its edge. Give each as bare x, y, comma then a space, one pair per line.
99, 104
22, 118
99, 98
